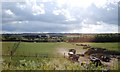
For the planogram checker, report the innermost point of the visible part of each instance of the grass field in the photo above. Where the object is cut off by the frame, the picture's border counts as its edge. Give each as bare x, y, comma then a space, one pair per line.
50, 49
34, 48
109, 46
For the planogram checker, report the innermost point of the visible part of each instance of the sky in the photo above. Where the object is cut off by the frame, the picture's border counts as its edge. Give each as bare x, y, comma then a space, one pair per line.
60, 16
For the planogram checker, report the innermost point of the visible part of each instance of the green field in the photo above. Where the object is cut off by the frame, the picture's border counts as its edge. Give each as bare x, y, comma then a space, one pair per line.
109, 46
31, 55
49, 48
34, 48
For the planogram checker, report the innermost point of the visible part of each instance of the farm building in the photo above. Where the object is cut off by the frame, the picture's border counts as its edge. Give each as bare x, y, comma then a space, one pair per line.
44, 36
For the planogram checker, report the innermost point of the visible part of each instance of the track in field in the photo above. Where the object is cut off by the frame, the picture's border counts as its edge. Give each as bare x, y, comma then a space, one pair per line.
15, 46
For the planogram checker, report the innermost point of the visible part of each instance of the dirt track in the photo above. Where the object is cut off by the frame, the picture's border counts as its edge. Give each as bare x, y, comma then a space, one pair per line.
63, 51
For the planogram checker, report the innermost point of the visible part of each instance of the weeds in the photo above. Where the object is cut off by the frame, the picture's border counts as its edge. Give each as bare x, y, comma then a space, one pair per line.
48, 64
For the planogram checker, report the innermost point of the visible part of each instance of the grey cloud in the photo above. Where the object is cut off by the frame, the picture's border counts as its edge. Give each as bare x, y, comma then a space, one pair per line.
119, 14
50, 22
27, 15
8, 28
101, 14
36, 27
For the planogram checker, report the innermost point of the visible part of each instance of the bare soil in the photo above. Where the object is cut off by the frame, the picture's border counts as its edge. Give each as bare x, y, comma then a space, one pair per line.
113, 64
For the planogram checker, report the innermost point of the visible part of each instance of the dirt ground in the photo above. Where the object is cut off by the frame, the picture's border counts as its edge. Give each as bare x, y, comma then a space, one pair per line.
113, 64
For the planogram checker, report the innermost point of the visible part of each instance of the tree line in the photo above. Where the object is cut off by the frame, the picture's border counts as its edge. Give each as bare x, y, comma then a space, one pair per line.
96, 38
31, 38
112, 37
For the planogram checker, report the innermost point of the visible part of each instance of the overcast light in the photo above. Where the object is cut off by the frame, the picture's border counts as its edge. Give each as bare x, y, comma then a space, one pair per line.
60, 16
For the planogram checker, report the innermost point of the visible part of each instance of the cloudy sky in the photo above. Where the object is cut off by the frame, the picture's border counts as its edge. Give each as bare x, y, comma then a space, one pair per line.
61, 16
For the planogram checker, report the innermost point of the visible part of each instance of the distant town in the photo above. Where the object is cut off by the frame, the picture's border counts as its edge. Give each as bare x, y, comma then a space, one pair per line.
61, 37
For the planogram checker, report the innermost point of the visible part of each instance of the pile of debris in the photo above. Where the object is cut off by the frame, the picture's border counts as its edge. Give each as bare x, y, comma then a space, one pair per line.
85, 46
95, 55
95, 61
95, 51
73, 56
81, 45
102, 54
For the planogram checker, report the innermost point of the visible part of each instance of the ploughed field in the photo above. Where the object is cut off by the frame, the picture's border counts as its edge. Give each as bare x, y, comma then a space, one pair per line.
46, 56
